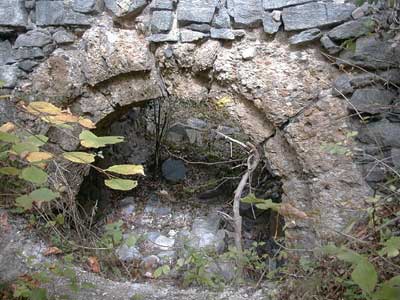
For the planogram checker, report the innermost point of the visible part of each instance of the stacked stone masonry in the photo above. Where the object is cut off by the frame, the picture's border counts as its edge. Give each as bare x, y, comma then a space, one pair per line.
78, 52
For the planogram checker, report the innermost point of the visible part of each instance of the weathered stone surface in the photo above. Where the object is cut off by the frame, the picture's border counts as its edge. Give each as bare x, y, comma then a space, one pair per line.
128, 254
205, 234
63, 37
305, 37
34, 38
161, 21
249, 53
29, 53
372, 52
371, 100
162, 5
111, 52
199, 27
315, 15
270, 24
27, 65
205, 55
86, 6
221, 19
13, 13
274, 4
222, 34
174, 170
352, 29
382, 133
361, 11
172, 36
9, 75
246, 13
123, 8
342, 85
329, 45
196, 11
189, 36
6, 53
56, 13
395, 154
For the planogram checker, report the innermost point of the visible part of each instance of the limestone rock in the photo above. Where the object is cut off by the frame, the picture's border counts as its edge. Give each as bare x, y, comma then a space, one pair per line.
274, 4
172, 36
196, 11
123, 8
315, 15
270, 24
9, 75
57, 13
29, 53
6, 53
372, 52
205, 55
199, 27
306, 36
161, 21
189, 36
162, 5
249, 53
111, 52
222, 34
221, 19
246, 13
13, 13
329, 45
174, 170
352, 29
62, 37
371, 100
34, 38
87, 6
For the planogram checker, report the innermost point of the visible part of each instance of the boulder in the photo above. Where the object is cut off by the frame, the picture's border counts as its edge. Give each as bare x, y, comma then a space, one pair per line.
371, 100
29, 53
57, 13
162, 5
305, 37
122, 8
6, 53
27, 65
174, 170
13, 13
352, 29
62, 37
34, 38
274, 4
111, 52
9, 75
313, 14
329, 45
221, 19
196, 11
270, 24
189, 36
245, 13
222, 34
161, 21
372, 52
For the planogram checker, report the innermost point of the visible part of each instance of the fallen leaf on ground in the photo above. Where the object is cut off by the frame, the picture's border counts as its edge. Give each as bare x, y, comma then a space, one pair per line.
289, 211
52, 251
94, 264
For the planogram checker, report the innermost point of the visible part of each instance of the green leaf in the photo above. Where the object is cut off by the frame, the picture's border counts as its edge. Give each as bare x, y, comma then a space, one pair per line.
34, 175
349, 256
392, 247
90, 140
24, 201
268, 204
121, 184
251, 199
37, 140
24, 147
79, 157
126, 169
158, 272
8, 137
44, 194
365, 276
131, 240
9, 171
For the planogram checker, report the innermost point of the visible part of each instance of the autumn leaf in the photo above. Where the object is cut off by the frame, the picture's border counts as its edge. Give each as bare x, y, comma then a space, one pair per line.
289, 211
87, 123
52, 251
7, 127
39, 107
94, 264
34, 157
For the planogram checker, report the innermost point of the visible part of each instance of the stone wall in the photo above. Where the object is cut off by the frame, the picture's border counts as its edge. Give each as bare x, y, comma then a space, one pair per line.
95, 56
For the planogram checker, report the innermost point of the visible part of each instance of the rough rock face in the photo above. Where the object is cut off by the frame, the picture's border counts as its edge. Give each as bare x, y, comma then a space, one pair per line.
13, 13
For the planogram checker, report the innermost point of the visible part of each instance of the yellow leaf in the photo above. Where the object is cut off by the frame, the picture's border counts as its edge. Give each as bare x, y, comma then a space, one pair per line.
7, 127
87, 123
60, 119
223, 101
79, 157
38, 156
126, 169
41, 107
